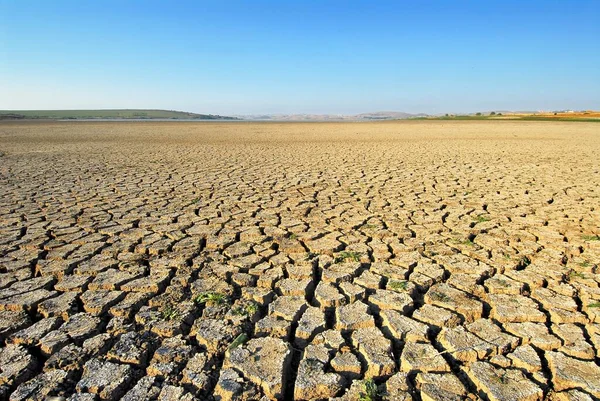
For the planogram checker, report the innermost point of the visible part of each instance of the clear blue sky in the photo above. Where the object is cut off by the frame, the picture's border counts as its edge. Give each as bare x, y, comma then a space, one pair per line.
254, 56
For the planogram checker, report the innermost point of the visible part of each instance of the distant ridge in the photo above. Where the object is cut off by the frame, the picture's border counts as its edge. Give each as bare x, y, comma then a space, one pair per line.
388, 115
379, 115
119, 114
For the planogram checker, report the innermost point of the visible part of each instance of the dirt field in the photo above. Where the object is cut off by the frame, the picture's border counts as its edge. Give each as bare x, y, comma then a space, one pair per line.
423, 260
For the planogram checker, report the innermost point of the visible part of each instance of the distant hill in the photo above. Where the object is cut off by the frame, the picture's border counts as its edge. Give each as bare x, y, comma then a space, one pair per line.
380, 115
388, 115
107, 114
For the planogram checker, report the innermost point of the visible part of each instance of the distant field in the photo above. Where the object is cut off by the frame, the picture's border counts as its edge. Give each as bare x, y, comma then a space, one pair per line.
591, 116
106, 114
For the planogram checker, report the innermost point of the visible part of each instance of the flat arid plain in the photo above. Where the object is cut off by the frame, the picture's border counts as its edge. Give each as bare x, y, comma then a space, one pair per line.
409, 260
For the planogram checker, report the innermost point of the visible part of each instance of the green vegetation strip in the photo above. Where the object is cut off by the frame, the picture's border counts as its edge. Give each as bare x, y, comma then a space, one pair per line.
106, 114
512, 118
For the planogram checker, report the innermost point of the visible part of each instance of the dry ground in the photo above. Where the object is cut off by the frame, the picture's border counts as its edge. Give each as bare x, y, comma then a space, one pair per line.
254, 261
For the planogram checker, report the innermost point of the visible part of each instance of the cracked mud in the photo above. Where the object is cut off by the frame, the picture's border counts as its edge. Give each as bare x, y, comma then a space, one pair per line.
261, 261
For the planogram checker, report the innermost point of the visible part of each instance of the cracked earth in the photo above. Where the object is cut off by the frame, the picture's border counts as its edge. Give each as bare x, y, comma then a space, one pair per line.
261, 261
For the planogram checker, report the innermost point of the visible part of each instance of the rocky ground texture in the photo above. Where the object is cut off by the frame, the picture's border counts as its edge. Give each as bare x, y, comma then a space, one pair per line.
347, 262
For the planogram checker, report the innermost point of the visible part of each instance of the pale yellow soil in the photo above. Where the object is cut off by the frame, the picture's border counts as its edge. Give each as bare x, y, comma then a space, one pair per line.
442, 259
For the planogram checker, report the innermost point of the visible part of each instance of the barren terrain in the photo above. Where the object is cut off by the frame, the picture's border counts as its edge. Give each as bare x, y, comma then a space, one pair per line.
413, 260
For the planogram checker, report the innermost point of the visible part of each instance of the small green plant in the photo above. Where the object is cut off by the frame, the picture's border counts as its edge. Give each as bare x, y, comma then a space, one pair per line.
573, 275
345, 255
398, 285
439, 296
594, 305
465, 241
370, 391
238, 311
211, 298
239, 340
293, 236
169, 312
251, 309
524, 262
502, 378
195, 200
591, 237
481, 219
370, 226
246, 310
585, 264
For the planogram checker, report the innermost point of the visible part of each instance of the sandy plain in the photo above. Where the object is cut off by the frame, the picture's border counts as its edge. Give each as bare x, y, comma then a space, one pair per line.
411, 260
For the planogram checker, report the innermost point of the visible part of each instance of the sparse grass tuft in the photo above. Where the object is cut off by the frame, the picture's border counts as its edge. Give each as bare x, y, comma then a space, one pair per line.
591, 237
439, 296
594, 305
465, 241
398, 285
346, 255
251, 309
246, 310
481, 219
169, 312
573, 274
293, 236
585, 263
370, 391
211, 298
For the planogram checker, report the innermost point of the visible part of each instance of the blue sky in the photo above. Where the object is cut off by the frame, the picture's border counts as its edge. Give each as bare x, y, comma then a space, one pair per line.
249, 57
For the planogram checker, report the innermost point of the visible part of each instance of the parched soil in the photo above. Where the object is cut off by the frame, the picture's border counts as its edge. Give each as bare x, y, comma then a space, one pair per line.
412, 260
